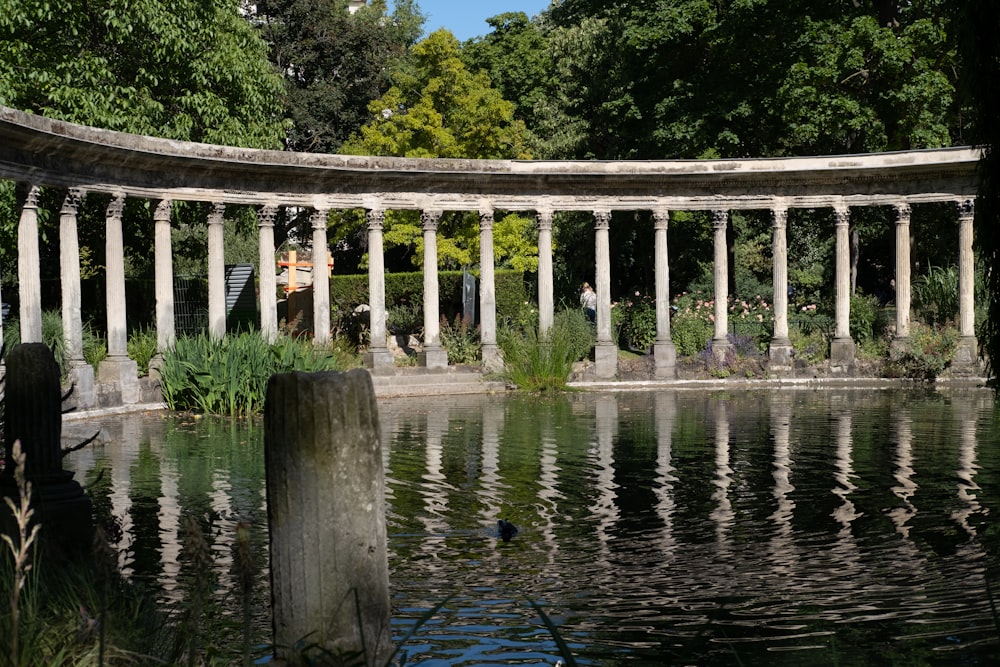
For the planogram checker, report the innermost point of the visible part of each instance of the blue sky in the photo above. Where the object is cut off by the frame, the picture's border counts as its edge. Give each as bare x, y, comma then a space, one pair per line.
467, 18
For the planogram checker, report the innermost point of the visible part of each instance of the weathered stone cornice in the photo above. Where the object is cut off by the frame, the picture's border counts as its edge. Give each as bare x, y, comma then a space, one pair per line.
54, 153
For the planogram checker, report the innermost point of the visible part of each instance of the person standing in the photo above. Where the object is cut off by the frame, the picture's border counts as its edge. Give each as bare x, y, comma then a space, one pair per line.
588, 299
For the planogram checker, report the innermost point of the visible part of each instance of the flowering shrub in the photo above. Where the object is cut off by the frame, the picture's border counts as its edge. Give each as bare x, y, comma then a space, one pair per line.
693, 322
461, 340
925, 354
633, 320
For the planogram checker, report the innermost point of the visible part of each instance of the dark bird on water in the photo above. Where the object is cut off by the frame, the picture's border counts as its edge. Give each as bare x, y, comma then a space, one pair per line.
506, 529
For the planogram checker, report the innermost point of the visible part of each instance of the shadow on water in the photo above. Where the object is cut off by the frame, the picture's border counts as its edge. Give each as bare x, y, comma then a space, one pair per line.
801, 527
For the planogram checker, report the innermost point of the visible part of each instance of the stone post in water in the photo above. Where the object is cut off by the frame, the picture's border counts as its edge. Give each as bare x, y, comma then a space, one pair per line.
33, 413
326, 511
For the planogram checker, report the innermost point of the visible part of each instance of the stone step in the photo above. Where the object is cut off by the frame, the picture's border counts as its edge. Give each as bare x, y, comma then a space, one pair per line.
429, 383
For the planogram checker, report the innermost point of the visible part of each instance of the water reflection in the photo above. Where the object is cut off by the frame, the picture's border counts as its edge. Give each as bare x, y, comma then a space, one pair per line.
770, 528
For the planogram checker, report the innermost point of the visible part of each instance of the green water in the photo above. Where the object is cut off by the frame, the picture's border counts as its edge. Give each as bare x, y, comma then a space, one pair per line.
801, 527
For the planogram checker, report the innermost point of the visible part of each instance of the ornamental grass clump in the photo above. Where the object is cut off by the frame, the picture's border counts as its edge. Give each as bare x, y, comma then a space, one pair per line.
541, 362
229, 376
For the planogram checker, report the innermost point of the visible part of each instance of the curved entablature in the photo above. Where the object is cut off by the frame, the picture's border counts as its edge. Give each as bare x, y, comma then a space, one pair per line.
54, 153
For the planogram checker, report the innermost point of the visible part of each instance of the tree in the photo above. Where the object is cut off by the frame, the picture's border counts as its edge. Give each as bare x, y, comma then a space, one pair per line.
334, 63
438, 108
193, 70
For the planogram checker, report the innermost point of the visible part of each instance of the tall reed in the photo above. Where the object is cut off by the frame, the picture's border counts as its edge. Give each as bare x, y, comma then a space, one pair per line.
21, 549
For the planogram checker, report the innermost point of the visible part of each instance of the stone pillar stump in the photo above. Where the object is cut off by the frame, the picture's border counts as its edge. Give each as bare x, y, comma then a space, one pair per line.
326, 511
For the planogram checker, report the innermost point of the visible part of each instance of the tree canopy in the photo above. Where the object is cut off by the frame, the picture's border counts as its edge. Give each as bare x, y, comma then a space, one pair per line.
183, 69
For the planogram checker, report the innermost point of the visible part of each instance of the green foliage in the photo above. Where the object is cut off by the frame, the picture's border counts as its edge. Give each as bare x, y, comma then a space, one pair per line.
935, 295
461, 340
405, 318
184, 69
334, 63
142, 346
536, 362
634, 318
692, 324
925, 354
578, 332
868, 320
230, 376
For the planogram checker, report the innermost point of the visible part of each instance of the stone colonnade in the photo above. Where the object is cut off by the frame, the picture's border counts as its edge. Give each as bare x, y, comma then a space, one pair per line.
84, 162
119, 368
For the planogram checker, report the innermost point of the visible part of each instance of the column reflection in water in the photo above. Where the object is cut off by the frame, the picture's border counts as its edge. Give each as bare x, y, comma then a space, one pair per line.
435, 486
604, 508
665, 407
782, 546
549, 495
905, 487
845, 549
489, 474
966, 417
723, 514
122, 456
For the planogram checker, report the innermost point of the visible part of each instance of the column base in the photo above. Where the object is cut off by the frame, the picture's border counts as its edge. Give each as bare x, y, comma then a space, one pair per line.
965, 362
380, 361
84, 395
842, 355
435, 358
492, 358
605, 361
723, 351
123, 373
664, 360
780, 354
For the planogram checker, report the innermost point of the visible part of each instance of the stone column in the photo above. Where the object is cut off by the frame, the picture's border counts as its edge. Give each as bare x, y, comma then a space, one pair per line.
28, 263
432, 355
606, 349
117, 370
721, 347
268, 279
664, 350
216, 273
966, 353
81, 373
321, 282
378, 357
546, 304
326, 512
780, 350
69, 277
842, 347
164, 274
492, 359
902, 272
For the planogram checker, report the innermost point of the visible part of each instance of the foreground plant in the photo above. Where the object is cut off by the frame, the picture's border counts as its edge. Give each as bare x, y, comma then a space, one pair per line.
21, 550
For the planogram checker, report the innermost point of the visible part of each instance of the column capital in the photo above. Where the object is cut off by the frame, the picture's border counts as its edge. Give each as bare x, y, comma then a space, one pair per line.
30, 193
376, 218
779, 216
966, 209
902, 213
266, 215
72, 201
215, 215
162, 211
429, 219
661, 218
485, 219
841, 215
602, 219
544, 218
720, 218
318, 218
116, 206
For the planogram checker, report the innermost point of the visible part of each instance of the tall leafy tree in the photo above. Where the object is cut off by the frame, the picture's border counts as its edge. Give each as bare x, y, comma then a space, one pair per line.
183, 69
334, 63
438, 108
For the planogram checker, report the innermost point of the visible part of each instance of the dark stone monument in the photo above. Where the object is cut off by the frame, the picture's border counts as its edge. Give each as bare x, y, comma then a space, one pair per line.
33, 415
326, 511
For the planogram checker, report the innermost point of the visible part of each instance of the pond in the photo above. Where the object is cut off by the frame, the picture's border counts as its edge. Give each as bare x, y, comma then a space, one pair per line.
786, 527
